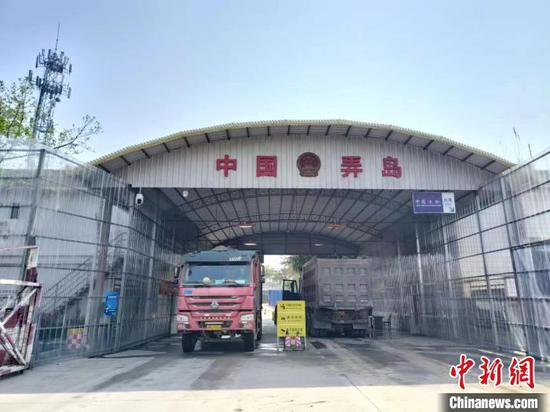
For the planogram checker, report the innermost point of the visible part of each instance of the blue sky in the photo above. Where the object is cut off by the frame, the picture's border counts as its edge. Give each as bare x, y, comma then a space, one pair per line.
469, 70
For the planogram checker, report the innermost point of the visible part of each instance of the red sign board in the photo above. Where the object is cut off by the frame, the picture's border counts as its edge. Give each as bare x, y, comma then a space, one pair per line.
266, 166
351, 165
226, 164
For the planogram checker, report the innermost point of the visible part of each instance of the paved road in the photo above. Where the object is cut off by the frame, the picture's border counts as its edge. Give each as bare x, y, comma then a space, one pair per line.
401, 373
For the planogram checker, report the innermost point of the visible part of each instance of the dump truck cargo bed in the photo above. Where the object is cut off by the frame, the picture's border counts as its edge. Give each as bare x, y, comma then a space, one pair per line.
336, 283
337, 298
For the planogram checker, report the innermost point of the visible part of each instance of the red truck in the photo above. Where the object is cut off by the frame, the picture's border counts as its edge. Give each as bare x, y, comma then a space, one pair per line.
220, 297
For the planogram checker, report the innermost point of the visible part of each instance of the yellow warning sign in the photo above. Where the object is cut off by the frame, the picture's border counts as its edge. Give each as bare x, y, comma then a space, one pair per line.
291, 317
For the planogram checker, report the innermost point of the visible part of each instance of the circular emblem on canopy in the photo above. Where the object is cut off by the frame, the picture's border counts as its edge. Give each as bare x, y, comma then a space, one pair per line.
308, 164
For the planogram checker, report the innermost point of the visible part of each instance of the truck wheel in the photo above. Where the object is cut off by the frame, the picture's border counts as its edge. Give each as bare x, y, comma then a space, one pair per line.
359, 333
188, 343
249, 342
313, 332
259, 324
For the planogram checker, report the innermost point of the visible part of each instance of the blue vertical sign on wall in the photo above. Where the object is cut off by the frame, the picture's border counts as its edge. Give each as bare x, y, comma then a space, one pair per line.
433, 202
111, 303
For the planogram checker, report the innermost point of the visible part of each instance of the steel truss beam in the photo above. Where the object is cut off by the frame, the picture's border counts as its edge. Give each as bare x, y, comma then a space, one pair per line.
356, 228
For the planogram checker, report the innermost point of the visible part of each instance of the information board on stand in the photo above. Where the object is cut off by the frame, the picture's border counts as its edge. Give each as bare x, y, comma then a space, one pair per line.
291, 324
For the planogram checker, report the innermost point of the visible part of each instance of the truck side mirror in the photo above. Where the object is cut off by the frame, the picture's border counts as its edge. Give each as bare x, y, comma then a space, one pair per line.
177, 272
262, 274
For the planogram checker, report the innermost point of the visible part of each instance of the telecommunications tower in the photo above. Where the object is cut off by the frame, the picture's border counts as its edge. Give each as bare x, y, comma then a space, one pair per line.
51, 87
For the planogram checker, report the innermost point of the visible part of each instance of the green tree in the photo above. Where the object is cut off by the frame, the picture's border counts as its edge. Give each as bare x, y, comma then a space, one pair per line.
275, 275
17, 105
17, 110
295, 263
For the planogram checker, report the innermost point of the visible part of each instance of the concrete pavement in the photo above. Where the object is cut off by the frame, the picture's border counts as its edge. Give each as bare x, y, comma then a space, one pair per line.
398, 374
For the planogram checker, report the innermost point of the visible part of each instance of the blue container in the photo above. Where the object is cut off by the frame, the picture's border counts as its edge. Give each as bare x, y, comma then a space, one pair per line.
274, 296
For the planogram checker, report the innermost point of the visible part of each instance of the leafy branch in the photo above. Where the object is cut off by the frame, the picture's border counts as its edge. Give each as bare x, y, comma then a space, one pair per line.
17, 110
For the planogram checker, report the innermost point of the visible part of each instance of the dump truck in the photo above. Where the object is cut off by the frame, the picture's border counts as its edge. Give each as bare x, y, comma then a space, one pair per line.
336, 294
220, 297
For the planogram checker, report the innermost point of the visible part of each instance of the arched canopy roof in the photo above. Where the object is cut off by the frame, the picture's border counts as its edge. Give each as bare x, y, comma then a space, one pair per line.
344, 128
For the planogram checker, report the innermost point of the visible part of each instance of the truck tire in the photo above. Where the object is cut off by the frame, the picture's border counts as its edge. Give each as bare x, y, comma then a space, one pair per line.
259, 326
359, 333
311, 331
188, 343
249, 342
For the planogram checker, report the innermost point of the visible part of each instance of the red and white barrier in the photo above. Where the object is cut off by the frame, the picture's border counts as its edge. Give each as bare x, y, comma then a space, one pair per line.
17, 328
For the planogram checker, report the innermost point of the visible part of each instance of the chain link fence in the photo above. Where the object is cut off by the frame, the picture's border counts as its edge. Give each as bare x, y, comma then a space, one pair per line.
91, 239
481, 276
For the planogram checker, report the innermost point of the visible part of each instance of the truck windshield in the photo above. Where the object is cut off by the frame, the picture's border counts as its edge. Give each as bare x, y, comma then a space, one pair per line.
218, 275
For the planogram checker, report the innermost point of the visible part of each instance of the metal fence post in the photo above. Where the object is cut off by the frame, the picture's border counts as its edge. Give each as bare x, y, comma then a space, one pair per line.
29, 236
486, 271
96, 279
452, 296
514, 266
122, 296
400, 283
420, 278
148, 296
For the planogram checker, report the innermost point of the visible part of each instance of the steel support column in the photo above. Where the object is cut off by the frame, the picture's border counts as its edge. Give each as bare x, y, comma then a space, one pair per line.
148, 296
94, 337
514, 266
401, 283
452, 296
420, 279
30, 235
485, 270
122, 295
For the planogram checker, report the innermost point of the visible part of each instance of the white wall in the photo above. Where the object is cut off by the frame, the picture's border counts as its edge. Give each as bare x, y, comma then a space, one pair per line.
195, 167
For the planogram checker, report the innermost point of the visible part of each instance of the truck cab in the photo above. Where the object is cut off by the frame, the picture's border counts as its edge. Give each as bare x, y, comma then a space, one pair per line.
220, 297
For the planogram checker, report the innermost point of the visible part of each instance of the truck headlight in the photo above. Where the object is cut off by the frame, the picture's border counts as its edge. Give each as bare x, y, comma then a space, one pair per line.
247, 318
182, 318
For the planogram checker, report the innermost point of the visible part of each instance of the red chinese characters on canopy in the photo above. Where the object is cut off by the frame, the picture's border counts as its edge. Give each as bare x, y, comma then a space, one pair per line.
266, 166
391, 167
351, 165
226, 164
309, 164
